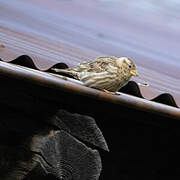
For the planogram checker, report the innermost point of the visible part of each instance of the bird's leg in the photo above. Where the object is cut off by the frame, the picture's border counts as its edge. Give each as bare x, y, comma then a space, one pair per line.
110, 92
56, 69
117, 93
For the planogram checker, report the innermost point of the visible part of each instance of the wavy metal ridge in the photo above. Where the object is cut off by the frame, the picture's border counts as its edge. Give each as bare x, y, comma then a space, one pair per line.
132, 88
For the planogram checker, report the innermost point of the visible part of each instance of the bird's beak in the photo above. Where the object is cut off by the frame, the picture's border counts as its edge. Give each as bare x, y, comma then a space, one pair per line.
133, 73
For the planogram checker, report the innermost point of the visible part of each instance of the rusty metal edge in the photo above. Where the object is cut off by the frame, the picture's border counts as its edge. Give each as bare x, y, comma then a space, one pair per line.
48, 80
27, 61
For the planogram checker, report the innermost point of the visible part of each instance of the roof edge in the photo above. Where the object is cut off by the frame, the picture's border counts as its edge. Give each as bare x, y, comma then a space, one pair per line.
63, 83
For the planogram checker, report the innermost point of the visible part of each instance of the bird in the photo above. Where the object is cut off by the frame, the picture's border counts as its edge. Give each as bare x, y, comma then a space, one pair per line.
106, 73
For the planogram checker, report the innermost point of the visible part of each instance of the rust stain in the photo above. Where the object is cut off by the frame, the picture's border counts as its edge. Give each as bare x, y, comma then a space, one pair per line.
51, 133
2, 46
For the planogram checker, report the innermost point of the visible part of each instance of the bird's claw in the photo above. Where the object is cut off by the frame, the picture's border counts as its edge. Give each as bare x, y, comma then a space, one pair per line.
110, 92
55, 69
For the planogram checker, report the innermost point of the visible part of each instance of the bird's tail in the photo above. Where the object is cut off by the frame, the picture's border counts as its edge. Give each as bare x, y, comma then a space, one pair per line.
66, 71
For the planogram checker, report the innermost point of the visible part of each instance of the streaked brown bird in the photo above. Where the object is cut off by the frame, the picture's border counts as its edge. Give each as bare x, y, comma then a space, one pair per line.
104, 73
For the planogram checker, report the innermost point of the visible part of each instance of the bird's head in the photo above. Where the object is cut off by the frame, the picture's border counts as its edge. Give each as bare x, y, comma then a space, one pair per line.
128, 65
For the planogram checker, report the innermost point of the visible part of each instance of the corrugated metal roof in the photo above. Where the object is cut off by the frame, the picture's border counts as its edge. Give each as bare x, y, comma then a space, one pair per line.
49, 80
141, 134
68, 32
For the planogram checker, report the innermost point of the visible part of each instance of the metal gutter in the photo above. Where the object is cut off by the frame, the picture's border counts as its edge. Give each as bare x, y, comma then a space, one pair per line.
65, 84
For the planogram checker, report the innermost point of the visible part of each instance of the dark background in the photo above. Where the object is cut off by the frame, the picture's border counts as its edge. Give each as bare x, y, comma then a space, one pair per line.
142, 145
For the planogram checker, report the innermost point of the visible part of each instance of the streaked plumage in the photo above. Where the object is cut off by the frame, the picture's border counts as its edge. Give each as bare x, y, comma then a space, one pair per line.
104, 73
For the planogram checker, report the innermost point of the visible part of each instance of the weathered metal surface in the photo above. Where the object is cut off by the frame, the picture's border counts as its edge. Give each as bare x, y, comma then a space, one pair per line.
49, 80
74, 31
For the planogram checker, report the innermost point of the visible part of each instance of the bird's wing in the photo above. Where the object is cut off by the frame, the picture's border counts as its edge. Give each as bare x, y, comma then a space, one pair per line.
100, 64
105, 59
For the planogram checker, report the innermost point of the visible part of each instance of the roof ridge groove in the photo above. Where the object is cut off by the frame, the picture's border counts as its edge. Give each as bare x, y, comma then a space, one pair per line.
132, 88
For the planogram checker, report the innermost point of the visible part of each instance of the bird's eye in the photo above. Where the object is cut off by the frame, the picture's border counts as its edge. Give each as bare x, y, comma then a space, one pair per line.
130, 66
